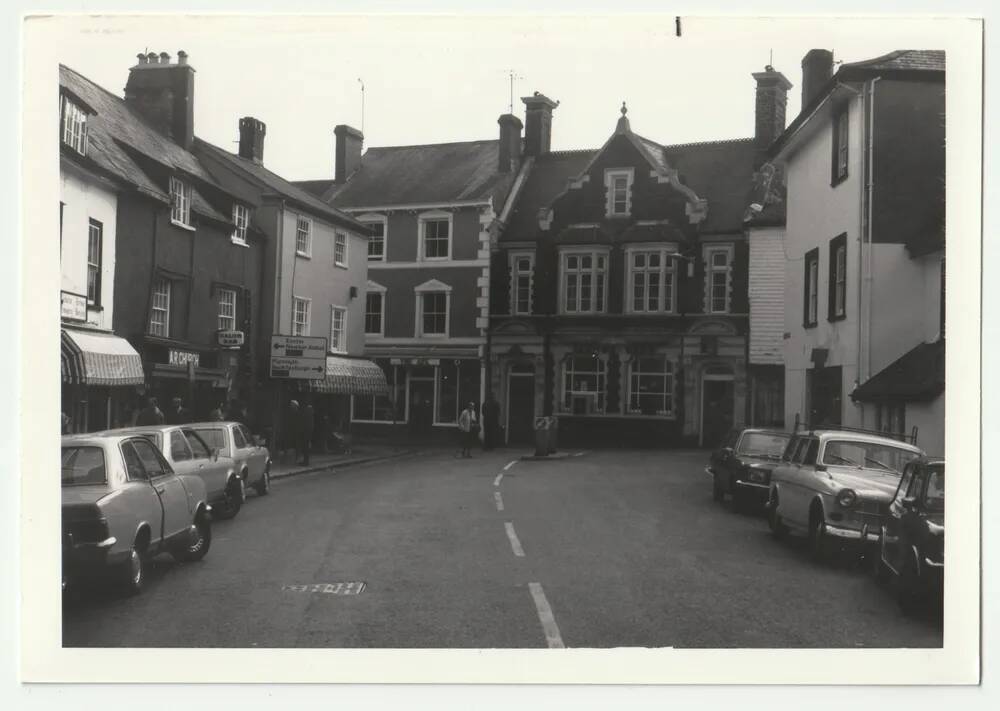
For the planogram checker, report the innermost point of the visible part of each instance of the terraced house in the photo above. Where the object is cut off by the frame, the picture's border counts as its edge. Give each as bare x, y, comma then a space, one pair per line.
431, 210
620, 297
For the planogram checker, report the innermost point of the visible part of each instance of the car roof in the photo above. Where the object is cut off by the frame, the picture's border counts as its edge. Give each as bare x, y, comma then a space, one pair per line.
852, 436
764, 430
95, 438
215, 423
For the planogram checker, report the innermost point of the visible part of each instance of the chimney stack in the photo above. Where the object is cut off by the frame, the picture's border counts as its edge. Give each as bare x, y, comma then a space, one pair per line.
772, 100
252, 139
817, 68
509, 152
538, 124
163, 93
348, 152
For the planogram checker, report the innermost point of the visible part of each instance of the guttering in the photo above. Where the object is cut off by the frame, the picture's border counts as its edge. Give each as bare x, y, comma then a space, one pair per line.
870, 179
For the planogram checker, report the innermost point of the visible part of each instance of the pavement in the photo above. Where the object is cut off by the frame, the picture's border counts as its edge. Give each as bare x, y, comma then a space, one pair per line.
326, 462
604, 549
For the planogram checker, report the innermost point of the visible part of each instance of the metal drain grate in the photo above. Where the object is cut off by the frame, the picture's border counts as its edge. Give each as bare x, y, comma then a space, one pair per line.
353, 588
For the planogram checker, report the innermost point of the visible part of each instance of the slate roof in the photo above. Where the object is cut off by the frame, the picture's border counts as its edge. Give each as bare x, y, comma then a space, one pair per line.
426, 174
548, 177
119, 140
274, 184
918, 375
905, 60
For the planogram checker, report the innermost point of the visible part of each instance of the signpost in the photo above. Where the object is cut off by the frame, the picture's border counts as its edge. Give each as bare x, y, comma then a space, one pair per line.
298, 357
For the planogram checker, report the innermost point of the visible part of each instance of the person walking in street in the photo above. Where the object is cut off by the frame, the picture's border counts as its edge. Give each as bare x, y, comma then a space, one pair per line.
178, 414
468, 426
491, 421
151, 414
216, 414
307, 428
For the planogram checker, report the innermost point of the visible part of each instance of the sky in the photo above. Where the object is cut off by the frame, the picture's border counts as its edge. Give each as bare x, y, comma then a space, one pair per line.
430, 79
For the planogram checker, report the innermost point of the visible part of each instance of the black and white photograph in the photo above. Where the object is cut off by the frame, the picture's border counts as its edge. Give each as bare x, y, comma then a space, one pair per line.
611, 340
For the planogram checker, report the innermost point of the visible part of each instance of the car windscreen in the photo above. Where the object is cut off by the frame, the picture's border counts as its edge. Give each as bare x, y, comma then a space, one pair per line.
214, 437
867, 455
934, 495
763, 444
83, 465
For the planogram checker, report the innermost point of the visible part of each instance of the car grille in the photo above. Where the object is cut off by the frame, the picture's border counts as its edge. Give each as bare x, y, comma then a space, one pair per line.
869, 511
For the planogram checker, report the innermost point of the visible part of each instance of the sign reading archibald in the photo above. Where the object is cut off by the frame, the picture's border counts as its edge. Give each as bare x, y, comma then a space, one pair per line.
298, 357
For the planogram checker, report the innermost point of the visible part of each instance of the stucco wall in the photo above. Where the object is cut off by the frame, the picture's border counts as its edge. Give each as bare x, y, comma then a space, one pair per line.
84, 200
767, 295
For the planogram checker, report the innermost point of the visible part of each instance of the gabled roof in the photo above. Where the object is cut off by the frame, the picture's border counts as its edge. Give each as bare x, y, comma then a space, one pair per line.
917, 376
120, 140
422, 175
273, 184
548, 177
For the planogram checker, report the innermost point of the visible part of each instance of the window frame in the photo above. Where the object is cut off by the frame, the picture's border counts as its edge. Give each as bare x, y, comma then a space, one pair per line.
340, 345
515, 275
594, 271
668, 266
711, 270
241, 221
181, 194
382, 220
810, 289
670, 385
222, 293
610, 175
301, 220
307, 311
840, 158
600, 394
837, 279
72, 118
373, 290
423, 220
422, 313
153, 308
95, 267
340, 240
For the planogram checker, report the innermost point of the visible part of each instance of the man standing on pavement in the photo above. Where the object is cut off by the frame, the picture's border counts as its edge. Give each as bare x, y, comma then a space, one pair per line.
468, 429
150, 414
307, 427
178, 414
491, 422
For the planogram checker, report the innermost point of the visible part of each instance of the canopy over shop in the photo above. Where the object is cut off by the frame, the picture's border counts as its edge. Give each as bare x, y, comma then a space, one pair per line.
98, 370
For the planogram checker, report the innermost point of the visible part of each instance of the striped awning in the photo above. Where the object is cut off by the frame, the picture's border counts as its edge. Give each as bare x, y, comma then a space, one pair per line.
350, 376
94, 358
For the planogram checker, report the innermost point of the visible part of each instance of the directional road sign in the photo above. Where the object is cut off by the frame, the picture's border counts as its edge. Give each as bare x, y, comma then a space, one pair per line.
298, 357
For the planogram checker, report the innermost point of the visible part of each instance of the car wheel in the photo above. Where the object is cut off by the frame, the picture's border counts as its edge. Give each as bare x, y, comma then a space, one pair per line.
199, 542
778, 529
133, 572
817, 537
263, 487
909, 592
879, 569
233, 498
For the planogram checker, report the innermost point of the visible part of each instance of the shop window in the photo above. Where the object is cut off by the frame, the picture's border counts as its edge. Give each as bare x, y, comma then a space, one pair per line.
384, 408
584, 385
651, 386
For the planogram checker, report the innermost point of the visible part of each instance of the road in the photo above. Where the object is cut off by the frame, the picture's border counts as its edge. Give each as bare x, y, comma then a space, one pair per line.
605, 549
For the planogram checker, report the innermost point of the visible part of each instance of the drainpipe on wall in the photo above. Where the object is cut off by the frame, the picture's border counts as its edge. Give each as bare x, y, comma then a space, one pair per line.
870, 179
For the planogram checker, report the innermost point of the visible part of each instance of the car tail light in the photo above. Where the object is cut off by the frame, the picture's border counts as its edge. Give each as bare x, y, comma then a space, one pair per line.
84, 523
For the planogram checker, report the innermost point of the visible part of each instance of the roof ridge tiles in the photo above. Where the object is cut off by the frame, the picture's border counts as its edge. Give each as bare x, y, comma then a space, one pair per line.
429, 145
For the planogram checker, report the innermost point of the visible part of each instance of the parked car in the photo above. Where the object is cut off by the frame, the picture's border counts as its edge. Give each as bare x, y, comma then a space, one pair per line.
911, 540
189, 454
741, 467
122, 503
233, 440
834, 486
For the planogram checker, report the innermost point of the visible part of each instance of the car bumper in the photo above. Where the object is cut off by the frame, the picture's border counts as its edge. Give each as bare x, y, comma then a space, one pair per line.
863, 535
81, 557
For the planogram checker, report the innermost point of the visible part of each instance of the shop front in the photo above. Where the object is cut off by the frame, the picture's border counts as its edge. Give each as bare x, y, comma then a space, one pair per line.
102, 376
203, 377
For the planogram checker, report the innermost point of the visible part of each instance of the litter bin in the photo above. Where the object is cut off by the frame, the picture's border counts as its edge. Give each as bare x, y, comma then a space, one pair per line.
542, 436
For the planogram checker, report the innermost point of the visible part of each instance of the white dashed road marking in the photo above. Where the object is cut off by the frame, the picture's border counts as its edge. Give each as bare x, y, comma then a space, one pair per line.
510, 464
499, 499
515, 545
545, 616
496, 482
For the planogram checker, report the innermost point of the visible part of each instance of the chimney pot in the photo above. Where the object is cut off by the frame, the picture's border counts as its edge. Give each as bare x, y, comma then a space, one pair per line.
509, 148
165, 98
182, 57
153, 58
164, 58
347, 158
817, 68
252, 134
141, 57
538, 124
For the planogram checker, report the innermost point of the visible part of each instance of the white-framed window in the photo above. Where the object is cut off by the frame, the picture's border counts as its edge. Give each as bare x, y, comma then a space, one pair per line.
241, 218
227, 309
375, 310
338, 329
651, 386
95, 238
340, 249
376, 241
300, 316
584, 384
811, 288
159, 312
435, 236
180, 202
584, 276
718, 275
652, 279
74, 126
303, 237
433, 300
522, 266
618, 185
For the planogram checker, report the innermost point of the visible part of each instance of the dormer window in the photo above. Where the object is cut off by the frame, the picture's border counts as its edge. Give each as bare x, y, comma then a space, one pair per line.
74, 126
619, 192
180, 202
241, 218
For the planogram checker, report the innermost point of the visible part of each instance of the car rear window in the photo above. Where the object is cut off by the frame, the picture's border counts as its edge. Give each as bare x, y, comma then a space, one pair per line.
868, 455
83, 465
763, 443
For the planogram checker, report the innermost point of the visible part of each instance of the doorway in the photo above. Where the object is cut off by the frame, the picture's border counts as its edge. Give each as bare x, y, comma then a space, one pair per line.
825, 397
521, 404
420, 403
717, 403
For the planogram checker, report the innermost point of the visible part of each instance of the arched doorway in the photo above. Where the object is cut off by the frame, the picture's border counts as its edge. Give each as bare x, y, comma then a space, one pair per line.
717, 404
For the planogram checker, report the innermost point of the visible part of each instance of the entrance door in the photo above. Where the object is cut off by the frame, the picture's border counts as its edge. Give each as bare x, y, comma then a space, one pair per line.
825, 400
716, 410
421, 404
521, 405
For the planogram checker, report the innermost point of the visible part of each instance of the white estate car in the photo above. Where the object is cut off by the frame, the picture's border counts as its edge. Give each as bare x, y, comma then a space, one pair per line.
835, 485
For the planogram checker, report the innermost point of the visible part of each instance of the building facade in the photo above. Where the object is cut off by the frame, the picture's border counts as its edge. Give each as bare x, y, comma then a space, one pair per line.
864, 243
431, 210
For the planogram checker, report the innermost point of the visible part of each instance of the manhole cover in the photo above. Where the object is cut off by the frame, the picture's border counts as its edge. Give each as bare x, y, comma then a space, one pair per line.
328, 588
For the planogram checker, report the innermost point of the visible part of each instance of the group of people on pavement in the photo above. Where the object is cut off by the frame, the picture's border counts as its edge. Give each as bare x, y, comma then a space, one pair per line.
178, 413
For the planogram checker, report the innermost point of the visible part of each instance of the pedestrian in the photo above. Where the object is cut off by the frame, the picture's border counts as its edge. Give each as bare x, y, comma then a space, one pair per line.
216, 414
151, 414
307, 428
491, 421
468, 427
178, 414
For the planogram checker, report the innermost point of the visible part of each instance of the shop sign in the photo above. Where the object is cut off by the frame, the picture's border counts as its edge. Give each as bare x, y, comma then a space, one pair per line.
230, 339
73, 307
177, 357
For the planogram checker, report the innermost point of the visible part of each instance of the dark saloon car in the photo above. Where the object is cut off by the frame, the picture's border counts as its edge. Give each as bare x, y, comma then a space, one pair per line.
911, 542
741, 467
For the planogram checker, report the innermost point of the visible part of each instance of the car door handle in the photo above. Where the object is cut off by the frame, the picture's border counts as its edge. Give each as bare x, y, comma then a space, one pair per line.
160, 489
